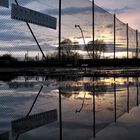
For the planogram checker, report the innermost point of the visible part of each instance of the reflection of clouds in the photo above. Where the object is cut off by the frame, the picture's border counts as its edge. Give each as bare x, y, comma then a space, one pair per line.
109, 26
22, 100
16, 103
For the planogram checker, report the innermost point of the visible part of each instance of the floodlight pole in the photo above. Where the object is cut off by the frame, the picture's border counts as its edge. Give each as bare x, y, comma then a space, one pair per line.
78, 26
79, 110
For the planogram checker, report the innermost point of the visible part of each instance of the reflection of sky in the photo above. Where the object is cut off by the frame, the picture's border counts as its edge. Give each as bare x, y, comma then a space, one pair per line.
17, 96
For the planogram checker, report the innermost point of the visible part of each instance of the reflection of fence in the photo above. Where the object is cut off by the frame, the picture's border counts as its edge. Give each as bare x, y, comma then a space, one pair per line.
117, 99
98, 101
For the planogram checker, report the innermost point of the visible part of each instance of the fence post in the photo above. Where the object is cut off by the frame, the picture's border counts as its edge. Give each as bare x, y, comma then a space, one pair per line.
128, 94
137, 85
59, 40
94, 112
137, 44
115, 101
114, 36
60, 111
93, 25
127, 34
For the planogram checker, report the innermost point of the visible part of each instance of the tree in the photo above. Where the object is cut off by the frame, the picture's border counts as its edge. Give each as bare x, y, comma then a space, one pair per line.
99, 47
66, 47
8, 57
69, 49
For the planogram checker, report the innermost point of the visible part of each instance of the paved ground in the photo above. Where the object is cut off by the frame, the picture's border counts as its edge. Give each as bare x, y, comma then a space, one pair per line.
126, 128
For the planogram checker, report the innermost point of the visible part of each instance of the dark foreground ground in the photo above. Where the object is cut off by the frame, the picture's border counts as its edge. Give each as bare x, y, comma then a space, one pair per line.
73, 63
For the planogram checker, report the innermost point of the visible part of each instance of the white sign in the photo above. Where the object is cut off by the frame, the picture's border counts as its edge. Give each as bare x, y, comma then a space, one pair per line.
33, 121
31, 16
4, 3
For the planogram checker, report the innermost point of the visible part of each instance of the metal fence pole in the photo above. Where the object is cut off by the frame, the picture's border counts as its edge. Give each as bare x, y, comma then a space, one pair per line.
127, 45
93, 25
115, 102
137, 44
60, 111
128, 94
94, 116
59, 40
137, 85
114, 36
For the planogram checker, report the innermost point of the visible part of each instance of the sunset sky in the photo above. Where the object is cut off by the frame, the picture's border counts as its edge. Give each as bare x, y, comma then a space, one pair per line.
15, 37
126, 10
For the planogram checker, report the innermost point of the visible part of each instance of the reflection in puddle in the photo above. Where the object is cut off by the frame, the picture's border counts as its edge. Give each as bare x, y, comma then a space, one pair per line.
88, 104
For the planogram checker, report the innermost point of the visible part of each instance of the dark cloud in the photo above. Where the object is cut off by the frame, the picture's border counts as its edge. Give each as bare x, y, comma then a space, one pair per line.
11, 36
74, 10
22, 2
30, 48
7, 24
120, 10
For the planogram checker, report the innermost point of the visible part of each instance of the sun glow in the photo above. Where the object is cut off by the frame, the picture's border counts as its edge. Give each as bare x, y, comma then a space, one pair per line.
81, 41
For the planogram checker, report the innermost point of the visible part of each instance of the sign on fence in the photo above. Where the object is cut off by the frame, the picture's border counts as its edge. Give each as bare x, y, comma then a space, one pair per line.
33, 121
31, 16
4, 3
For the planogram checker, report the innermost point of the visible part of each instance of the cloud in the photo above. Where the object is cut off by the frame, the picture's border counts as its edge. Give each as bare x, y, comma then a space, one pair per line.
35, 6
22, 2
120, 10
29, 47
4, 12
75, 10
8, 36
